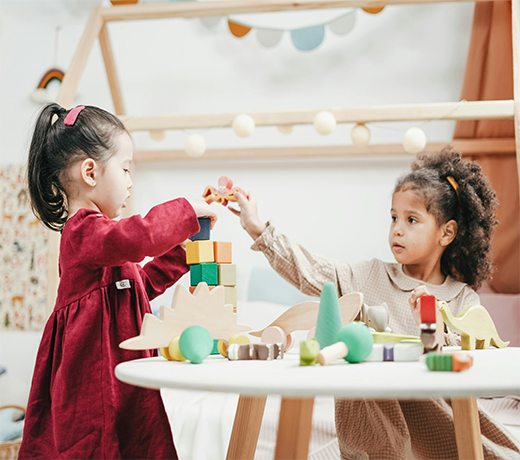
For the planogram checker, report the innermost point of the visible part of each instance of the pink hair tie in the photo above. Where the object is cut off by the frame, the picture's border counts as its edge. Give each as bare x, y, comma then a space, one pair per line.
71, 117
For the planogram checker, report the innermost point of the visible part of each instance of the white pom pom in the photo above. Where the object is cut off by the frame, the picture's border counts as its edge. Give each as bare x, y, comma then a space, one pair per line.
324, 122
414, 140
285, 129
195, 145
360, 135
158, 134
243, 125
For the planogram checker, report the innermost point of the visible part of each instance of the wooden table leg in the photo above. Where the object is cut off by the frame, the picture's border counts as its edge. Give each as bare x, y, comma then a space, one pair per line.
246, 428
294, 429
467, 428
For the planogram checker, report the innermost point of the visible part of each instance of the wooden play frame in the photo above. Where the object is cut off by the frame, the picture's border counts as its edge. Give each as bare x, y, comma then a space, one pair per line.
292, 437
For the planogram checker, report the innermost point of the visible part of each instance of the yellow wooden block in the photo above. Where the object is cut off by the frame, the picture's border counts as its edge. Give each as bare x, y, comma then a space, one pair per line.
230, 295
199, 252
222, 251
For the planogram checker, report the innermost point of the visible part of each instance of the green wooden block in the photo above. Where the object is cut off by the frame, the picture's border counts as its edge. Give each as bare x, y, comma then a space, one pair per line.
439, 362
227, 274
207, 273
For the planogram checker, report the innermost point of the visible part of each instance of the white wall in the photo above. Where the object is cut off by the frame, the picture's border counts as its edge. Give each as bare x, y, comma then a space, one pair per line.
337, 207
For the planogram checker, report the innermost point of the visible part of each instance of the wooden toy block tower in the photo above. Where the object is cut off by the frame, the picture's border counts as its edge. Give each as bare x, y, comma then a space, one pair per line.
211, 262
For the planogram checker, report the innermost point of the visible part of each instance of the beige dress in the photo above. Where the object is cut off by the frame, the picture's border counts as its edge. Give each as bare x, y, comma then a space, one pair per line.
387, 429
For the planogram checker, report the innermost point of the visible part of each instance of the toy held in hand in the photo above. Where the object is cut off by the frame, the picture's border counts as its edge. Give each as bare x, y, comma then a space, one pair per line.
224, 193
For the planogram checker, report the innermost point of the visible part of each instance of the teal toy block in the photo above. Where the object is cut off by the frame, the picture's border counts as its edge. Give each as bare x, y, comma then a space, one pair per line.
207, 273
227, 274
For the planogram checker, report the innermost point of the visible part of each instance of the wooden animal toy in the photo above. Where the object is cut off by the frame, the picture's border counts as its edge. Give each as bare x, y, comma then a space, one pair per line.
431, 338
202, 308
454, 362
224, 193
303, 317
309, 350
354, 344
395, 352
475, 326
376, 317
255, 351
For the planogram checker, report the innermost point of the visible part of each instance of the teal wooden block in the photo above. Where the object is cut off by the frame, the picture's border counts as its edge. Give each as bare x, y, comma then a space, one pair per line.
207, 273
227, 274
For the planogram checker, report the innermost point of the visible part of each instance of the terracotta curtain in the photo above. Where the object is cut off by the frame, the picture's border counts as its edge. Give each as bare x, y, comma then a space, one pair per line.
489, 76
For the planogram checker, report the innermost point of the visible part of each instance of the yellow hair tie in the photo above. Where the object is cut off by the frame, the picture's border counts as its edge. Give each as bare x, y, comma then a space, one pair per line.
454, 184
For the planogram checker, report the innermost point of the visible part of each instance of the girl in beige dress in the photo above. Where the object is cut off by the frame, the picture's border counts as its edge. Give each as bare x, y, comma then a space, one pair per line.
443, 215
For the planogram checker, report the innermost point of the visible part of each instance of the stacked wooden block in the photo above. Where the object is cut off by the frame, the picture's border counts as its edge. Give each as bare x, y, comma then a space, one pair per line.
211, 262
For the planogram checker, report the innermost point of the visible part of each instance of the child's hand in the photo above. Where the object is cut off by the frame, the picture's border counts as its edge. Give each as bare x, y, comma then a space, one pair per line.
248, 214
203, 209
414, 302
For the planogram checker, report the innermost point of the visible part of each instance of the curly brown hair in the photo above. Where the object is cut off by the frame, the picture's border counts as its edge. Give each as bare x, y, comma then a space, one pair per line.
472, 206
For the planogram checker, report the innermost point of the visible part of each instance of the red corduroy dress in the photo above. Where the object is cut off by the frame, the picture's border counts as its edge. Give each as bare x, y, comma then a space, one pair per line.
77, 408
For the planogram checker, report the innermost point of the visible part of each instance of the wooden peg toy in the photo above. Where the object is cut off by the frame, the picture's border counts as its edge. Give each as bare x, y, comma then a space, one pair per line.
205, 230
354, 344
196, 343
224, 193
309, 351
431, 338
255, 351
475, 326
450, 362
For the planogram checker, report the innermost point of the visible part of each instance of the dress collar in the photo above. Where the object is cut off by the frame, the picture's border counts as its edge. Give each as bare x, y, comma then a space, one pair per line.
446, 291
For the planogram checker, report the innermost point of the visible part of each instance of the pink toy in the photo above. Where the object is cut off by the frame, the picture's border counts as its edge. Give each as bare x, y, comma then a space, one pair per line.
223, 193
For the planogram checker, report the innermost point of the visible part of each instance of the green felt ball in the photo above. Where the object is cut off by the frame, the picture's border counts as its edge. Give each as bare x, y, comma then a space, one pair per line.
196, 343
359, 342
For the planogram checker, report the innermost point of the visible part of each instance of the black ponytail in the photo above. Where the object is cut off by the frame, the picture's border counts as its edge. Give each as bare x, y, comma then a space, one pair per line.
55, 147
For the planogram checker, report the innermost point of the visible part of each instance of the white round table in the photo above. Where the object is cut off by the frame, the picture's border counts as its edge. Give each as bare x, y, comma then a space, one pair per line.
494, 372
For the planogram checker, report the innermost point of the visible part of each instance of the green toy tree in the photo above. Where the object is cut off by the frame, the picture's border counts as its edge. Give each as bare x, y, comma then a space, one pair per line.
329, 320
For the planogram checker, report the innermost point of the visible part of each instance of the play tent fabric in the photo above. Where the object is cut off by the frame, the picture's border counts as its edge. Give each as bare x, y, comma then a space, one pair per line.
489, 75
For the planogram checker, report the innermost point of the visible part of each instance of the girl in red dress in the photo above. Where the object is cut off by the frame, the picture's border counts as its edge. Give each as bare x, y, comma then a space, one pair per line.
78, 175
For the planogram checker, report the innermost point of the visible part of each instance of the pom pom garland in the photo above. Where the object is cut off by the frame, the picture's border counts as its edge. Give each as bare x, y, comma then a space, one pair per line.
360, 135
243, 125
324, 122
414, 140
195, 145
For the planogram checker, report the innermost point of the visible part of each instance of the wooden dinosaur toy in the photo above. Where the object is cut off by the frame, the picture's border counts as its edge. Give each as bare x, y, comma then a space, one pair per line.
475, 326
303, 317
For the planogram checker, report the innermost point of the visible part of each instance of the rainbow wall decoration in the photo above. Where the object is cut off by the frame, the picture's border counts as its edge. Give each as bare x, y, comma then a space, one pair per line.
40, 95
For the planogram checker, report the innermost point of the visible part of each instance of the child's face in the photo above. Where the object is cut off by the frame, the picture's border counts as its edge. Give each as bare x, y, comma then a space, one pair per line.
415, 235
115, 184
